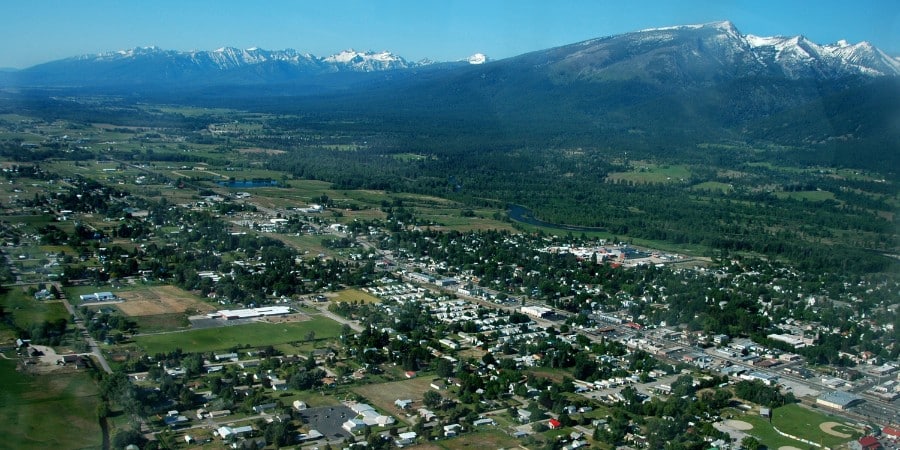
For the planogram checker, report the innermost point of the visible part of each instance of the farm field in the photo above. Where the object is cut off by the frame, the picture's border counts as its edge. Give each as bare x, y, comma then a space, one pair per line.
226, 337
41, 411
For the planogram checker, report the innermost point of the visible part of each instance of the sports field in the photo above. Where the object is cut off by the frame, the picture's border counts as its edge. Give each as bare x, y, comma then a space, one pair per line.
227, 337
802, 422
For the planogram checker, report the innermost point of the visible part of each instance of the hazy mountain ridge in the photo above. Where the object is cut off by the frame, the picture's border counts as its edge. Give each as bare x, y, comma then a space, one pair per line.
690, 54
712, 52
151, 67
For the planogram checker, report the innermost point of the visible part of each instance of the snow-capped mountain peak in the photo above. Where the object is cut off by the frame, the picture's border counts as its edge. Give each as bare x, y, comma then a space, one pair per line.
367, 61
477, 58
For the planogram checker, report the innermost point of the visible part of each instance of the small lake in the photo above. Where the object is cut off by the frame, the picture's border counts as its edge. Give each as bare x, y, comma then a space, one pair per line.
524, 215
248, 183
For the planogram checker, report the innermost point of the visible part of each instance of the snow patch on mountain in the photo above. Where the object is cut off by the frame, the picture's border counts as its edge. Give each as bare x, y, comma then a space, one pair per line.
477, 58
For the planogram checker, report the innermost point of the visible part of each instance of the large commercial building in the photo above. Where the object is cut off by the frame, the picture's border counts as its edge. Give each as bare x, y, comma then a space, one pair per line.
838, 400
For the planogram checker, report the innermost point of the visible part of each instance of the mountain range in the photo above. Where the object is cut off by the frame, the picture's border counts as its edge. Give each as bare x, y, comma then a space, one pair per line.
655, 91
690, 53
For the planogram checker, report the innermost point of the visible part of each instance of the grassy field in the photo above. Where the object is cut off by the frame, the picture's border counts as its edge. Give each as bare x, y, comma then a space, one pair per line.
810, 196
652, 173
223, 338
48, 411
161, 322
488, 440
383, 395
155, 300
798, 421
713, 186
352, 295
26, 311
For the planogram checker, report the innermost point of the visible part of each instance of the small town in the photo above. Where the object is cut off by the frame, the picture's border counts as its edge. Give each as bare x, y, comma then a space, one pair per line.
242, 314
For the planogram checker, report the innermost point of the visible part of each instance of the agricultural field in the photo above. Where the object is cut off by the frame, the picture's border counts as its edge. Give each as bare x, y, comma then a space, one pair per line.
42, 411
230, 336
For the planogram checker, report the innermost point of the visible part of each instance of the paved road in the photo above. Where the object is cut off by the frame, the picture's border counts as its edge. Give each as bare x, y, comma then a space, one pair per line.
95, 348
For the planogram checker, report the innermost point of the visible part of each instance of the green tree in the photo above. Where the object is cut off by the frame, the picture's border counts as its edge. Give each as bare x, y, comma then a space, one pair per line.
750, 443
432, 399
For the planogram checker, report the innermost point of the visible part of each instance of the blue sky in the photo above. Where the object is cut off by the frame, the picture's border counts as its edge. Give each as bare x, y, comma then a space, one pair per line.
36, 31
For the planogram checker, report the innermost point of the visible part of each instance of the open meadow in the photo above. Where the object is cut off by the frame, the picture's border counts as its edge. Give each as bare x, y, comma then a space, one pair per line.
154, 300
231, 336
26, 311
48, 411
486, 440
383, 395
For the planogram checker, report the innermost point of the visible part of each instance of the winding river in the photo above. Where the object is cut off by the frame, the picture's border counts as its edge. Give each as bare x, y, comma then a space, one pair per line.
524, 215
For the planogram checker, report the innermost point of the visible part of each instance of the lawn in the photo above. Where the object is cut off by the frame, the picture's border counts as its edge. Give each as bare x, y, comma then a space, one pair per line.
44, 411
226, 337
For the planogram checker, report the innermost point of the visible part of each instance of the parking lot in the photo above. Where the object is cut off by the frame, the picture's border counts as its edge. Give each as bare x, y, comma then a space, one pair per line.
328, 420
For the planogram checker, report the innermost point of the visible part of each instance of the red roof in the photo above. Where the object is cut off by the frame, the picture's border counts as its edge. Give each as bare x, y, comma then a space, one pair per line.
555, 424
891, 431
869, 442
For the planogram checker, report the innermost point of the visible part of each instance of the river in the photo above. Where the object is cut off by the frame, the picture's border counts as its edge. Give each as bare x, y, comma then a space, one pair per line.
524, 215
